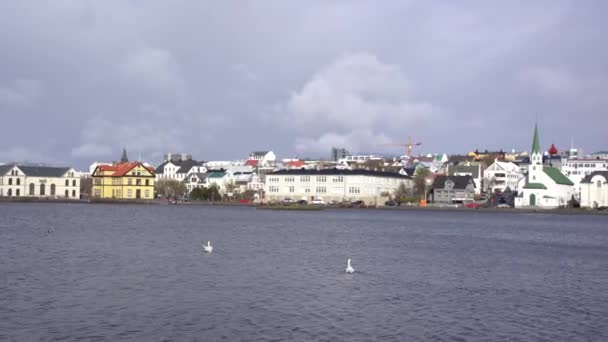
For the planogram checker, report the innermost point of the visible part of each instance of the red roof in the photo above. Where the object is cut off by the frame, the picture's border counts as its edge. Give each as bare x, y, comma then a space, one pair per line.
552, 150
296, 164
252, 162
121, 169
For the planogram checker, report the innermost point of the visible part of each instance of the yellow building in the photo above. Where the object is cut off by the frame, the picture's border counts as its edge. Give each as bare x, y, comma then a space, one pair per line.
123, 181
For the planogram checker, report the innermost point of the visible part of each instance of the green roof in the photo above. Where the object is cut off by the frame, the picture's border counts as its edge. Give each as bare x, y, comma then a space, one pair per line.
535, 141
557, 176
535, 186
216, 174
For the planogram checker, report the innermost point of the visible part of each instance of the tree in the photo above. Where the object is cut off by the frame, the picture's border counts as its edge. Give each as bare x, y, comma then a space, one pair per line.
404, 194
86, 187
420, 177
170, 188
211, 193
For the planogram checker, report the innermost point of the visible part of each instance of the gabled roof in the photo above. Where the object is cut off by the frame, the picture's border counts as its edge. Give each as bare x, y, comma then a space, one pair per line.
121, 169
252, 162
460, 182
43, 171
184, 165
259, 153
587, 178
5, 168
557, 176
216, 174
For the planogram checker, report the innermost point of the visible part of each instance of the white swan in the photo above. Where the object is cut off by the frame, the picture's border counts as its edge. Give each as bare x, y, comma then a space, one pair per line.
208, 248
349, 268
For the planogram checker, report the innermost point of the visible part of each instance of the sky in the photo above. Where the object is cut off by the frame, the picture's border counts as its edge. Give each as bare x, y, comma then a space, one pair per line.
80, 80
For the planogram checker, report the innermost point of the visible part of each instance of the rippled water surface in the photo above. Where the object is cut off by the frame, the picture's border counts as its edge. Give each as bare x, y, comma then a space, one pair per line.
107, 273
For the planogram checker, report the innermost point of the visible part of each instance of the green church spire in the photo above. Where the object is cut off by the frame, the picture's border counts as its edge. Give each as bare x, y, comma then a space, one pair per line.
535, 142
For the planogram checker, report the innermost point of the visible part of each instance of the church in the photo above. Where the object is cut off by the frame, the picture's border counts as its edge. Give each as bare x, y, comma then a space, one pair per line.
544, 186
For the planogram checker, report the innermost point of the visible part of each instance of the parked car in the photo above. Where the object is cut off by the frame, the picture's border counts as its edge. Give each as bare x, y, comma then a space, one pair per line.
503, 205
303, 202
390, 203
472, 205
357, 204
317, 201
288, 201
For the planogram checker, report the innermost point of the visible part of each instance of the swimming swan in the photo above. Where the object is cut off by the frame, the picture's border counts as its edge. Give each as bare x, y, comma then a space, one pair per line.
208, 248
349, 268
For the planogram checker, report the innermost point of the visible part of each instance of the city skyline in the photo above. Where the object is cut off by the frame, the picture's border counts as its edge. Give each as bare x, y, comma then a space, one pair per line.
80, 81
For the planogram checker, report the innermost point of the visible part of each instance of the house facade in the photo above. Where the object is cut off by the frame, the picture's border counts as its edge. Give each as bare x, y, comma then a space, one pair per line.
178, 169
130, 180
594, 190
371, 187
39, 181
502, 175
471, 169
453, 189
543, 186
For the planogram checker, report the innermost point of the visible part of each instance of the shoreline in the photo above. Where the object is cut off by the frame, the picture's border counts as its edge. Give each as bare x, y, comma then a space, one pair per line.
558, 211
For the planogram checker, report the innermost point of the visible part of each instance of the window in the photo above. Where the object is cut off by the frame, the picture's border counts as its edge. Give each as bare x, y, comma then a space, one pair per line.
17, 192
338, 179
42, 189
97, 181
9, 193
291, 189
32, 189
129, 193
290, 179
52, 189
306, 190
10, 181
18, 181
130, 181
138, 181
321, 189
354, 190
304, 178
148, 182
97, 193
73, 193
147, 193
599, 184
74, 182
67, 193
273, 189
321, 179
67, 182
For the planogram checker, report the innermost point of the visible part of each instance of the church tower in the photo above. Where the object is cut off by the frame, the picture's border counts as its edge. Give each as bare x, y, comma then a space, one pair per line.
536, 159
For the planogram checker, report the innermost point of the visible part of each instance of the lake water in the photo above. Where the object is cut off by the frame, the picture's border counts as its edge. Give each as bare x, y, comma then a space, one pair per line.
83, 272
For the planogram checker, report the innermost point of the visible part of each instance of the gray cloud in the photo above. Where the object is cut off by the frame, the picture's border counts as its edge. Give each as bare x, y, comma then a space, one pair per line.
218, 79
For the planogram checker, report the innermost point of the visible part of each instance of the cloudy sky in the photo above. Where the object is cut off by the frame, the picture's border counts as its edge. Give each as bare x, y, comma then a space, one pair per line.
81, 79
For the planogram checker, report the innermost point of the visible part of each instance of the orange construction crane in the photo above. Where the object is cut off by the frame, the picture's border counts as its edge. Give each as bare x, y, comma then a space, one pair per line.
409, 146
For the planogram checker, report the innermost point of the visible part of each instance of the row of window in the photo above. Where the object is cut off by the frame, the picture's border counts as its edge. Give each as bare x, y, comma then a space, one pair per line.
117, 181
32, 191
18, 182
305, 179
577, 165
117, 193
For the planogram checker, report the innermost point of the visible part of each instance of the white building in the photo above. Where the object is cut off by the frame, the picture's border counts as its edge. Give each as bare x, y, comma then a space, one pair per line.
594, 190
39, 181
263, 157
371, 187
578, 168
178, 170
502, 175
543, 186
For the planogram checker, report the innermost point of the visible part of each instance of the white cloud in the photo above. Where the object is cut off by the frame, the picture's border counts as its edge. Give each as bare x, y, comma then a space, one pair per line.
156, 68
22, 154
354, 101
356, 141
21, 93
89, 150
551, 81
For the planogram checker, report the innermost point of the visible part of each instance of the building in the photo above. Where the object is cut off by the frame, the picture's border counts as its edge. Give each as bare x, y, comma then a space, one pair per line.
599, 155
371, 187
543, 186
178, 169
130, 180
176, 157
502, 175
263, 157
594, 190
338, 153
453, 189
469, 169
39, 181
